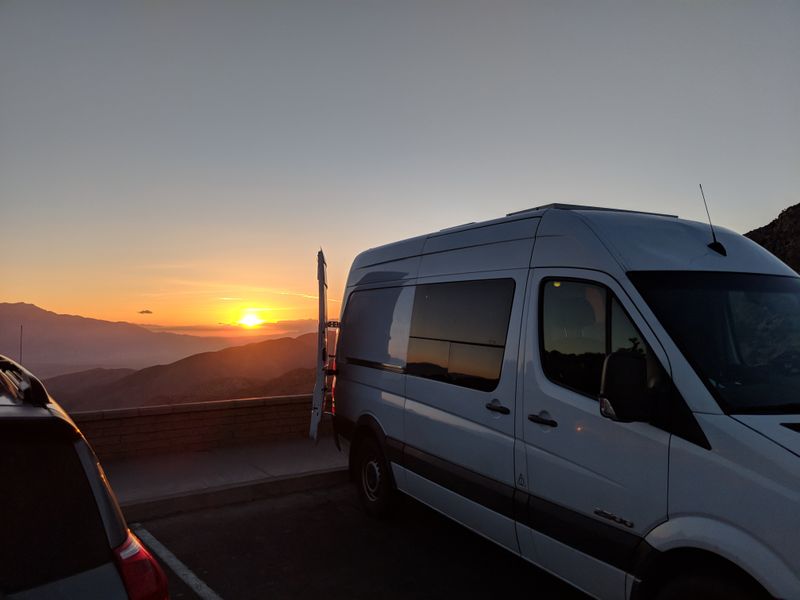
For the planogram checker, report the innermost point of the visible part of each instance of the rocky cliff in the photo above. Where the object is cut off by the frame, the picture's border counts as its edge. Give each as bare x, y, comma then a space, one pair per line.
782, 236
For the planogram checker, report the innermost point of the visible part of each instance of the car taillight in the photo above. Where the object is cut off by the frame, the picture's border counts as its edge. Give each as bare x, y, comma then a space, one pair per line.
141, 574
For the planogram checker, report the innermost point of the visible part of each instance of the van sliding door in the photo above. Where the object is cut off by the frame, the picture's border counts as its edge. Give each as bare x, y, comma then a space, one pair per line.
461, 379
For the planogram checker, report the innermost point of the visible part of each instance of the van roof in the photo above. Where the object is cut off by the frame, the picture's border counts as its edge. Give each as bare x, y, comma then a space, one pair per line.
560, 206
566, 235
538, 211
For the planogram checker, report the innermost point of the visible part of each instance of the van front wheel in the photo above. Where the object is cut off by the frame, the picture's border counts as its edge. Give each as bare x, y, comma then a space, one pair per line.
374, 480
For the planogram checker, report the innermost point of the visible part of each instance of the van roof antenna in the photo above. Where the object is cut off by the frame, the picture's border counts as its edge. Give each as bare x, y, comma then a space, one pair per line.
714, 245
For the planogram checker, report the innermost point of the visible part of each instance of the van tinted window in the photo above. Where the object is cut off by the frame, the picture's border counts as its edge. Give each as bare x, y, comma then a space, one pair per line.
458, 332
573, 331
581, 324
375, 327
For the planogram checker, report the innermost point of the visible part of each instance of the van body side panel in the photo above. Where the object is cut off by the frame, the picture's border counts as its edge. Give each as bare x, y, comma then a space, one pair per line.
386, 382
480, 236
739, 501
444, 441
490, 247
491, 257
585, 572
390, 252
474, 515
368, 400
395, 262
367, 392
565, 240
384, 273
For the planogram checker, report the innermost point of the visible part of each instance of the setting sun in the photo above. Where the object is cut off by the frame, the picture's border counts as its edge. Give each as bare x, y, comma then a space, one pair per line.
250, 320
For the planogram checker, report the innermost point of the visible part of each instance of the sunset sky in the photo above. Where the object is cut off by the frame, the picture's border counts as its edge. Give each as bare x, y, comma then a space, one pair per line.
189, 158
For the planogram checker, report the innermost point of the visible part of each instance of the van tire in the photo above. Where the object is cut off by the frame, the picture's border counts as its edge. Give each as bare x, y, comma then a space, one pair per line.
373, 479
710, 587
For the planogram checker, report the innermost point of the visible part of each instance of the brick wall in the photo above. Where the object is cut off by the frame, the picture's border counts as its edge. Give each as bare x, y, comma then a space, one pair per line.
127, 432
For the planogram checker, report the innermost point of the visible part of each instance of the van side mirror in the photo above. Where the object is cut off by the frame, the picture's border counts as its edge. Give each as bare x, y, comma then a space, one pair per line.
624, 395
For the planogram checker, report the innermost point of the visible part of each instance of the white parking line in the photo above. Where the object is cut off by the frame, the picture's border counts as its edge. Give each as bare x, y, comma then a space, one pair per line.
181, 570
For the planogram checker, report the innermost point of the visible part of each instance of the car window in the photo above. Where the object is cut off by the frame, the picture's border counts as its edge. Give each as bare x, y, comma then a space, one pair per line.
50, 527
458, 332
582, 323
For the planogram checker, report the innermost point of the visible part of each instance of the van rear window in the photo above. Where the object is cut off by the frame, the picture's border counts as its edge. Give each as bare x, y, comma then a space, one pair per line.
50, 527
375, 327
458, 332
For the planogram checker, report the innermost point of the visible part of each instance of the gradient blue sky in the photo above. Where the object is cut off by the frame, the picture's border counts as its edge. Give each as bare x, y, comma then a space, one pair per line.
167, 155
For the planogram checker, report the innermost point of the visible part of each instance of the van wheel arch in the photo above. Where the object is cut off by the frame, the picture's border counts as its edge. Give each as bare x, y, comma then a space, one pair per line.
366, 427
659, 571
371, 471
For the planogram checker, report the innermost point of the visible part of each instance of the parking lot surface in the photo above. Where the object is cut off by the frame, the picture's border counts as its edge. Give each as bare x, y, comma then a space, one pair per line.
320, 544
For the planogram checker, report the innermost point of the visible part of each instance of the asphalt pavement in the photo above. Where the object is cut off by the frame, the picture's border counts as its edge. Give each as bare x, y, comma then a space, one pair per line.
156, 485
320, 544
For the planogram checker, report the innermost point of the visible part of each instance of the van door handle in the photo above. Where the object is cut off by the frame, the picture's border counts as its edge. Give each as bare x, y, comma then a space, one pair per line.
542, 420
495, 406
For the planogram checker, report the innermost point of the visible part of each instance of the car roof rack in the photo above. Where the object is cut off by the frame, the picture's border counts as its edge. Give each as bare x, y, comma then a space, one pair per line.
19, 385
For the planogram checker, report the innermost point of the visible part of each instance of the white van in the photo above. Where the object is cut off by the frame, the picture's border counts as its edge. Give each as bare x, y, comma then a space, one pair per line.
602, 392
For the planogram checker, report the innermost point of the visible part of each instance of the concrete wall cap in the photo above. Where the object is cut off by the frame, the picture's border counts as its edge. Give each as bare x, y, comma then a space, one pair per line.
161, 409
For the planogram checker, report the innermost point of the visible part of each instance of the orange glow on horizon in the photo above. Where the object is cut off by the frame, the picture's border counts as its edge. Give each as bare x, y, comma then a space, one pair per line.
206, 304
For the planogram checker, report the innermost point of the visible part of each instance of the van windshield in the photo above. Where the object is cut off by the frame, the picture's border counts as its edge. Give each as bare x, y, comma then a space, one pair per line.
739, 331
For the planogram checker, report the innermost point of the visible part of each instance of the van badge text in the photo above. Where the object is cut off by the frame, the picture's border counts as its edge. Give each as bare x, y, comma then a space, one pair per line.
611, 517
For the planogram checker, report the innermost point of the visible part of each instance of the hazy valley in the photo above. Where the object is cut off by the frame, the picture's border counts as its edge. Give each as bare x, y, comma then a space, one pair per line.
272, 367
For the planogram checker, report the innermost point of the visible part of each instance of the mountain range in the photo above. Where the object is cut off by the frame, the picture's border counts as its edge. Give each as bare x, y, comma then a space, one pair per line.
54, 344
268, 368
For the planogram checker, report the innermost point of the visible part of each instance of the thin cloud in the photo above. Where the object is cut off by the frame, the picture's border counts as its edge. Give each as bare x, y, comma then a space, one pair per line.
291, 327
300, 295
146, 311
204, 287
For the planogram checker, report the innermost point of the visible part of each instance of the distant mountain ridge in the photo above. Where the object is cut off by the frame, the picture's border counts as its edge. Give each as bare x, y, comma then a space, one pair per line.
272, 367
782, 236
54, 344
74, 384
